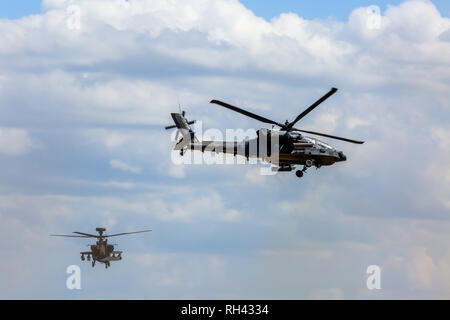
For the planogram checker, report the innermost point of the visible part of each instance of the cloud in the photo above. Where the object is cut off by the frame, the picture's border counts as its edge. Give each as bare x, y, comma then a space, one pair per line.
118, 184
14, 142
177, 171
420, 268
114, 140
117, 164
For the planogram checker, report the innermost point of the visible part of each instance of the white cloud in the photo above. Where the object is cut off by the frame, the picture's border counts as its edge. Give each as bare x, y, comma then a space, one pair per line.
356, 122
442, 136
177, 171
14, 141
118, 184
287, 44
117, 164
114, 140
420, 267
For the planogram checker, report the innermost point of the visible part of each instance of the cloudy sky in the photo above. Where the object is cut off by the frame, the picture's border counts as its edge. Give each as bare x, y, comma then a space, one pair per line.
86, 87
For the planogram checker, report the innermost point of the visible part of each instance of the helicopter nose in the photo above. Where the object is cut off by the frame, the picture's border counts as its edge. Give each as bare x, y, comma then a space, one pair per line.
342, 156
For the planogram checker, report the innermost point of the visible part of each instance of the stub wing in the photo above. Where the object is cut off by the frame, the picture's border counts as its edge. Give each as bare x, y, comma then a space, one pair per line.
86, 252
115, 256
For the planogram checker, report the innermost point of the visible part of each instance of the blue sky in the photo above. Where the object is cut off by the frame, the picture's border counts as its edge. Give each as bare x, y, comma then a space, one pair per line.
324, 8
20, 8
267, 9
82, 145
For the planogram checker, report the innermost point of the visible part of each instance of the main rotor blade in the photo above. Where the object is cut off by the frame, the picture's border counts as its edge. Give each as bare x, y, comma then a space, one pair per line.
121, 234
68, 236
87, 234
174, 126
247, 113
329, 136
312, 107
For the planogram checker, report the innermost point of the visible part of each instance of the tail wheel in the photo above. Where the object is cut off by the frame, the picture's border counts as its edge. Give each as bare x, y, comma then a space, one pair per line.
299, 173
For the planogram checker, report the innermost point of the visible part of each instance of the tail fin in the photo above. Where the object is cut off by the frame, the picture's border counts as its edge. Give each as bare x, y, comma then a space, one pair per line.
183, 127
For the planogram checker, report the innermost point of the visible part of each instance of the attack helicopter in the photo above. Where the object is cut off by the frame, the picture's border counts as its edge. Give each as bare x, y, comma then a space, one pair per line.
285, 148
101, 251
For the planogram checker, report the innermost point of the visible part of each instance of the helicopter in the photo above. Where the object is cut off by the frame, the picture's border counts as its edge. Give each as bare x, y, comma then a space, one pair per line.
285, 148
101, 251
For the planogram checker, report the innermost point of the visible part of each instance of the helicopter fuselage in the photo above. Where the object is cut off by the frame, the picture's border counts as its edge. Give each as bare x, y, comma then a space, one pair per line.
281, 148
102, 252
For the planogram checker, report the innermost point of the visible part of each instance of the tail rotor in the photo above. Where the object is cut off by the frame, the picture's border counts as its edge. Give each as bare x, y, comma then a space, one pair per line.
183, 113
182, 124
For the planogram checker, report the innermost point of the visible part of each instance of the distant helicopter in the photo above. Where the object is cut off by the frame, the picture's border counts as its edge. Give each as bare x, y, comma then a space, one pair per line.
293, 148
101, 251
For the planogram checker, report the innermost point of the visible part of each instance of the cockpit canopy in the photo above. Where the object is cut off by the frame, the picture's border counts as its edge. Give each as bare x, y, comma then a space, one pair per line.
319, 143
295, 136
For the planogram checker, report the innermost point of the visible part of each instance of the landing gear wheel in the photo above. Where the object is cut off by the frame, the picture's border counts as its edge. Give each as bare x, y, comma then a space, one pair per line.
93, 263
299, 173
